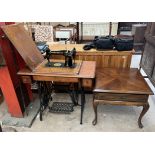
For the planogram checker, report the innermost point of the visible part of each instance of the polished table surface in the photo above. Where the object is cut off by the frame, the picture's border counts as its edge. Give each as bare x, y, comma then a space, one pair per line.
121, 81
125, 87
79, 48
87, 71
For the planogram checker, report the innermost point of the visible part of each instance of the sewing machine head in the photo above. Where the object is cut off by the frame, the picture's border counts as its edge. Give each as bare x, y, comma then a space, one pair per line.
69, 57
68, 54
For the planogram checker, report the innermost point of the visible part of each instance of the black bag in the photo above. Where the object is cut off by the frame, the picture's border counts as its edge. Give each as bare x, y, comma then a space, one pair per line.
102, 43
89, 46
123, 44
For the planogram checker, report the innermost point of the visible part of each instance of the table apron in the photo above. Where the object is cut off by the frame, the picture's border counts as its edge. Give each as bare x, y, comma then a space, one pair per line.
121, 97
123, 103
55, 79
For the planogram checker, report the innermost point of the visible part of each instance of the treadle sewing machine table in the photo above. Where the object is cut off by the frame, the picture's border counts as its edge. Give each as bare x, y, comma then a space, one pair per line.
36, 70
87, 71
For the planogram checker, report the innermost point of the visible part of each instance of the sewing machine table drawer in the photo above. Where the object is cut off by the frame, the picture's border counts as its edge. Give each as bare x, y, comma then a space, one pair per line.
87, 83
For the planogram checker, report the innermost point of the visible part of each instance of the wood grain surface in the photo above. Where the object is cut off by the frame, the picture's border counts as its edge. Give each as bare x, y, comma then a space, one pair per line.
114, 80
87, 71
124, 103
121, 97
104, 58
24, 44
41, 68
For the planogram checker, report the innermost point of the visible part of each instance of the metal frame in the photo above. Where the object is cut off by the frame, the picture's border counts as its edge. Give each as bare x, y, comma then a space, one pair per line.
45, 90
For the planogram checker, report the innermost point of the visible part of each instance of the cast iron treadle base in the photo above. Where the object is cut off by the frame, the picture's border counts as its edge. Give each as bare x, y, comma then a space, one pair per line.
60, 107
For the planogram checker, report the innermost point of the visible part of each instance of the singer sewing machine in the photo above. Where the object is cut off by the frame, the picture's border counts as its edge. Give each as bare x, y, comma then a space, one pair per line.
68, 54
59, 66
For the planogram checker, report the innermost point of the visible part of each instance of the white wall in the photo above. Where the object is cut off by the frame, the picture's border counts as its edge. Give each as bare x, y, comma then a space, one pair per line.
91, 29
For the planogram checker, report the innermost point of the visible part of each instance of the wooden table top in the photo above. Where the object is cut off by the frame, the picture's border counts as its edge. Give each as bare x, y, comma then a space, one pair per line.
79, 48
114, 80
42, 68
87, 70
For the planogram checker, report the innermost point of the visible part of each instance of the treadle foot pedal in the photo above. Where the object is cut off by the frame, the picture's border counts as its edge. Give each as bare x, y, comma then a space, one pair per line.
61, 107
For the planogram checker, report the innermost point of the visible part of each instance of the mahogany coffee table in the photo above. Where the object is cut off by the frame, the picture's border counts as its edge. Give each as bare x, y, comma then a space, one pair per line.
121, 87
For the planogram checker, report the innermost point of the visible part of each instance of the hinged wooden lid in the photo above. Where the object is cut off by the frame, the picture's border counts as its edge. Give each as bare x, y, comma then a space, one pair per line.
24, 44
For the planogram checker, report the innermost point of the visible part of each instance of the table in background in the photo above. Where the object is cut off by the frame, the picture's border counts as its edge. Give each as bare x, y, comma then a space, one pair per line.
105, 58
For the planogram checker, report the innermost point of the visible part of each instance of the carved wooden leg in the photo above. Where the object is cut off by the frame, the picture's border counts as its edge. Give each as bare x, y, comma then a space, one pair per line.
145, 109
95, 111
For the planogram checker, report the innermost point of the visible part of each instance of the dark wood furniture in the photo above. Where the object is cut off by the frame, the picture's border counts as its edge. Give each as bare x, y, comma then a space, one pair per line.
121, 87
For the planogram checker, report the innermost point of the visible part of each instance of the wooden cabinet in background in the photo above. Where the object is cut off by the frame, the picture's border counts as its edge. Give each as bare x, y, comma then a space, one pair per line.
107, 58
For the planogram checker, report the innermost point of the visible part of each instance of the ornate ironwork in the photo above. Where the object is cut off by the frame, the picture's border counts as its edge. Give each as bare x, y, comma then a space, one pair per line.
45, 90
60, 107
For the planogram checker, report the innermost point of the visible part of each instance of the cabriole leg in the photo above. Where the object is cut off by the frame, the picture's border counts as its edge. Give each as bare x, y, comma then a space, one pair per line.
145, 109
95, 104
